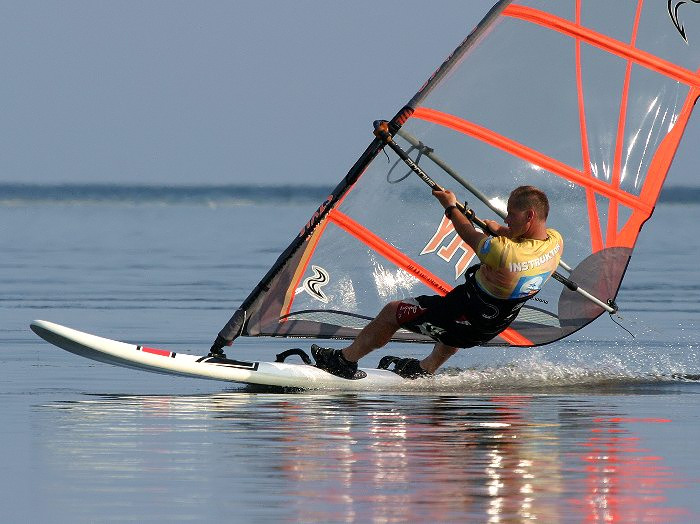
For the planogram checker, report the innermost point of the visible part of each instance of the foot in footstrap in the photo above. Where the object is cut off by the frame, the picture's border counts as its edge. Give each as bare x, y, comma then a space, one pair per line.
405, 367
332, 361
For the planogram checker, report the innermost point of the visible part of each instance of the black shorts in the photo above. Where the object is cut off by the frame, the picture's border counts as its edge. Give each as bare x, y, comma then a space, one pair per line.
465, 317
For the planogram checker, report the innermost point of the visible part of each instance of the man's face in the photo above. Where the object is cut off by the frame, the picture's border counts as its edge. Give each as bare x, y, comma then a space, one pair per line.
518, 220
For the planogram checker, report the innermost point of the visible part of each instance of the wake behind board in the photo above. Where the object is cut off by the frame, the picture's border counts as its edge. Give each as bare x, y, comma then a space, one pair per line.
281, 374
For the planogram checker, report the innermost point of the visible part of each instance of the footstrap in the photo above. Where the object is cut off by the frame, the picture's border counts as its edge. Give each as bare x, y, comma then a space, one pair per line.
404, 367
387, 361
281, 357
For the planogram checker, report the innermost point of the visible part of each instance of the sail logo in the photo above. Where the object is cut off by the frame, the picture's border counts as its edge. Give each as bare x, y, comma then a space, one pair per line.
316, 217
673, 6
313, 284
449, 250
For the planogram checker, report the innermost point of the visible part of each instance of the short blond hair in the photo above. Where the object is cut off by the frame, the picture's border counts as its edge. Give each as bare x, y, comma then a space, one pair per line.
525, 197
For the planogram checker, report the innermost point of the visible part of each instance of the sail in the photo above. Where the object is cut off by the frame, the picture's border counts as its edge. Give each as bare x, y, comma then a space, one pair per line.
587, 100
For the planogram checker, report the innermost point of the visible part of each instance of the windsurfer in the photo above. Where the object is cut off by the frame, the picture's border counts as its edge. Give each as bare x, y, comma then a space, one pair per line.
515, 262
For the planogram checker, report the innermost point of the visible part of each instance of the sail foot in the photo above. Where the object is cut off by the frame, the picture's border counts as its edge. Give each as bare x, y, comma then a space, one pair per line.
234, 327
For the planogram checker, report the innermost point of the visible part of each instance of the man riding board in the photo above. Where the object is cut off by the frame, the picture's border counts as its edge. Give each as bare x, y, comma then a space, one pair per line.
515, 263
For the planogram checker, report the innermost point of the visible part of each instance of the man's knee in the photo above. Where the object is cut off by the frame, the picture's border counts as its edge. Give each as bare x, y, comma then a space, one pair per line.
388, 313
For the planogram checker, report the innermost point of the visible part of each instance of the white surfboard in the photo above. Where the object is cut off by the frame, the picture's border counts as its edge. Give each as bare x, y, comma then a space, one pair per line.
282, 374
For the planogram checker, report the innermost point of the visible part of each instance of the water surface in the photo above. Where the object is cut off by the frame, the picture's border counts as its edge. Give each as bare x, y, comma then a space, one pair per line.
592, 428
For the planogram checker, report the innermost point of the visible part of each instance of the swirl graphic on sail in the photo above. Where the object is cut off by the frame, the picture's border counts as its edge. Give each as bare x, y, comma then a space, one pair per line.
314, 284
673, 6
587, 101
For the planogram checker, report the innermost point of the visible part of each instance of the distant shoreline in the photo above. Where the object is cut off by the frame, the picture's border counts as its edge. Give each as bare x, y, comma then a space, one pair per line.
17, 193
160, 194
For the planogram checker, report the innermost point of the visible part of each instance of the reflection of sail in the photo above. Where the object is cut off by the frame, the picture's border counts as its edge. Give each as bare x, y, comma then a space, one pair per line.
623, 482
337, 458
587, 101
445, 460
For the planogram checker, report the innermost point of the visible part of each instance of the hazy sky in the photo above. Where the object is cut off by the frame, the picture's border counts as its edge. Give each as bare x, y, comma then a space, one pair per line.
217, 92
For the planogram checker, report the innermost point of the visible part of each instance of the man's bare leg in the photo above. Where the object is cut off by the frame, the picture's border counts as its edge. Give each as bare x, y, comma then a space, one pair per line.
441, 352
378, 333
374, 335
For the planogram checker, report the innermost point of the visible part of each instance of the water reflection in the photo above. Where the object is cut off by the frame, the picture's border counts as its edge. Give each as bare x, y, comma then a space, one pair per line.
624, 482
369, 458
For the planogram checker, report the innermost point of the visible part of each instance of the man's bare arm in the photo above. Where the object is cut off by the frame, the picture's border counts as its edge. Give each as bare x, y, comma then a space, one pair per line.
462, 225
497, 229
465, 229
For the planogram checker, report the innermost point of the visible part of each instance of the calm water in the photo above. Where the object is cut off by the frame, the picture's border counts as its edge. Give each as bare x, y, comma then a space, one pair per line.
589, 429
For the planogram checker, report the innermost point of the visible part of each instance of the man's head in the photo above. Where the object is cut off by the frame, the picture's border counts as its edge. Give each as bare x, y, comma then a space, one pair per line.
529, 197
528, 208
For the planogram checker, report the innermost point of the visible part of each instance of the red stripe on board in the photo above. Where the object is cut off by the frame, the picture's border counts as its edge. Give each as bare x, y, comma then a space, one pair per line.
404, 262
529, 155
643, 58
161, 352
